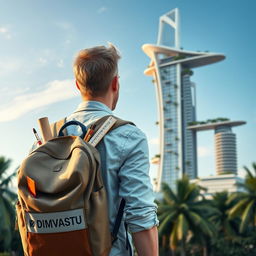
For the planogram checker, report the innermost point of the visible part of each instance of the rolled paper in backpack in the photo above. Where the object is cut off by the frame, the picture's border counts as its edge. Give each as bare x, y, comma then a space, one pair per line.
45, 129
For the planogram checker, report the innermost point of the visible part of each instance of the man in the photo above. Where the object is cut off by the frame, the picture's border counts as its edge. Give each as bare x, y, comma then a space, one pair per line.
123, 151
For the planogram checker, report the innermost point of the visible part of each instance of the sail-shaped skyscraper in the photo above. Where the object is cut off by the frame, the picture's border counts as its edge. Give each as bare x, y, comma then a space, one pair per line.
171, 69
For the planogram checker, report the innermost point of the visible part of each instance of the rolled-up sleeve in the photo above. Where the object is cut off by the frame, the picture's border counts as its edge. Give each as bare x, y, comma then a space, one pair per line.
135, 186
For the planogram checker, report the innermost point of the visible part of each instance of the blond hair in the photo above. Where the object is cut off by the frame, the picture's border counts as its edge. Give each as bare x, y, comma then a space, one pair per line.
94, 69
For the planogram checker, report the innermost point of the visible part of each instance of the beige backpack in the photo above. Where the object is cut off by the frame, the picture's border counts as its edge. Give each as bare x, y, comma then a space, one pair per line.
62, 203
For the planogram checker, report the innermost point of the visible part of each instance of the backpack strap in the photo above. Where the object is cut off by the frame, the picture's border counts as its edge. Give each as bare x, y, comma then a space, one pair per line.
117, 224
118, 123
118, 220
101, 127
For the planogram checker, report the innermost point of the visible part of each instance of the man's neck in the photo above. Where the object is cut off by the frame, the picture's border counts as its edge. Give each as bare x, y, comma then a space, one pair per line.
103, 100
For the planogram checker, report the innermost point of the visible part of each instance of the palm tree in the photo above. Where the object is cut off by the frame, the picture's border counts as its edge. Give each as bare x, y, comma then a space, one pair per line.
183, 216
246, 207
225, 225
7, 212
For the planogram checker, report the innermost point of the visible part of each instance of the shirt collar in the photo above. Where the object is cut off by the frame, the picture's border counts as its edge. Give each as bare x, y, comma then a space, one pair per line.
92, 106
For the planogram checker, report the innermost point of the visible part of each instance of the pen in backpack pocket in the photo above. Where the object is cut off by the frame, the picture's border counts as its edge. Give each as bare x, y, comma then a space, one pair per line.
89, 133
37, 137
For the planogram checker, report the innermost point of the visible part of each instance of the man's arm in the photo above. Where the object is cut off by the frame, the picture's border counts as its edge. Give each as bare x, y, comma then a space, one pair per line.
146, 242
136, 189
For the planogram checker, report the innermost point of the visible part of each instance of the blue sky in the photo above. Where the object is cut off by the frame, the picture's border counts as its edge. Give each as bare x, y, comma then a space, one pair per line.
39, 39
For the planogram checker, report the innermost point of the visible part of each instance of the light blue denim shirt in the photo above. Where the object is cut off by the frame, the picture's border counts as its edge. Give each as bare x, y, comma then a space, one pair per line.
125, 172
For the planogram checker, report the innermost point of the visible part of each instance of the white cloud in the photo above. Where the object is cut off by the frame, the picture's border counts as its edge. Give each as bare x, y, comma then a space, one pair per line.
54, 91
204, 151
102, 9
12, 91
5, 32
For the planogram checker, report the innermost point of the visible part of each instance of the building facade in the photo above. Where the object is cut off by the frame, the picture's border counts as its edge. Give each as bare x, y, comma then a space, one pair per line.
225, 144
171, 69
219, 183
225, 150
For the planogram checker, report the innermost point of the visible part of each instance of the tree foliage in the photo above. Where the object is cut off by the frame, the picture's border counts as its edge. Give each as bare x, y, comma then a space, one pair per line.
9, 238
246, 201
193, 226
183, 216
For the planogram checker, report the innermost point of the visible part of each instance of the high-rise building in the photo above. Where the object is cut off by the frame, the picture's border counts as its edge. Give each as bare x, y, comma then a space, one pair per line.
225, 144
171, 69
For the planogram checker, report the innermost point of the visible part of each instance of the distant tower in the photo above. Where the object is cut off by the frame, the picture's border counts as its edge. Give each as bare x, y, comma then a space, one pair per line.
171, 67
225, 144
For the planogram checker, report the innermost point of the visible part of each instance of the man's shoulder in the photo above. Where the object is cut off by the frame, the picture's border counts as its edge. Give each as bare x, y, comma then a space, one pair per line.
128, 128
126, 139
127, 136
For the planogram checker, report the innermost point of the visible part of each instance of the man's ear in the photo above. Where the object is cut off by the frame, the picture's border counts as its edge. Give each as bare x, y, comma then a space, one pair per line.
77, 86
114, 83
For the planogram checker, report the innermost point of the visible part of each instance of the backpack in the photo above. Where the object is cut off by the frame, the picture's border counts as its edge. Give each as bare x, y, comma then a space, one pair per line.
62, 205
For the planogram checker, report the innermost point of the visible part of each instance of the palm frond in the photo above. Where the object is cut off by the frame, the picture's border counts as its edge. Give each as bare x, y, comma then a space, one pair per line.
193, 193
230, 228
162, 216
10, 210
169, 195
249, 174
236, 196
238, 208
250, 184
203, 225
166, 224
4, 165
174, 237
162, 208
182, 227
182, 188
5, 225
204, 210
247, 215
4, 212
220, 196
254, 167
6, 181
244, 187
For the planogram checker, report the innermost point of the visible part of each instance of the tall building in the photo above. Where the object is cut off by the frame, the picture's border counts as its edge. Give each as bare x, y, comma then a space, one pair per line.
170, 67
225, 144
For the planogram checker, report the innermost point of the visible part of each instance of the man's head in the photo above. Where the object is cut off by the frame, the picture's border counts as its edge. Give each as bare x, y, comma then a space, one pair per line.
96, 72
